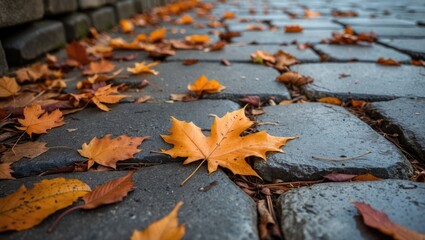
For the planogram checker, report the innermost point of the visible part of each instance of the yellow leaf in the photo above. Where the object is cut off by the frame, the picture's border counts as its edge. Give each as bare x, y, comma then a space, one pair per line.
167, 228
224, 147
202, 84
143, 68
26, 208
157, 35
197, 39
104, 95
107, 151
8, 87
37, 120
330, 100
126, 25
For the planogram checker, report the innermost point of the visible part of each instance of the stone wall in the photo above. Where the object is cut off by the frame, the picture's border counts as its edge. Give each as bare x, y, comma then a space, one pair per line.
30, 28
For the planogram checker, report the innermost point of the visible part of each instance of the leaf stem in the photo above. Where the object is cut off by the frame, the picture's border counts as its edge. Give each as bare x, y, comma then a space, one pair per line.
56, 222
14, 145
193, 173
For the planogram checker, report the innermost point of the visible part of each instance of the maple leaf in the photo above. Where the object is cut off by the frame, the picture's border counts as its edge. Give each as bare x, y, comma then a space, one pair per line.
28, 150
379, 220
107, 151
37, 120
77, 52
110, 192
185, 20
224, 147
166, 228
33, 73
126, 25
202, 84
157, 35
26, 208
143, 68
293, 29
101, 67
105, 95
8, 87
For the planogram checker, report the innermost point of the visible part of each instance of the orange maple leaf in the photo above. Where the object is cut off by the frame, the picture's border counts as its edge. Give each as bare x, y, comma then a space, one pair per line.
186, 19
8, 87
126, 25
37, 120
224, 147
202, 84
30, 207
228, 15
104, 95
157, 35
101, 67
107, 151
166, 228
143, 68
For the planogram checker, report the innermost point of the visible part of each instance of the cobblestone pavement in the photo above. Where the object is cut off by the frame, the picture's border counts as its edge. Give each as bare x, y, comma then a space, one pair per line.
381, 133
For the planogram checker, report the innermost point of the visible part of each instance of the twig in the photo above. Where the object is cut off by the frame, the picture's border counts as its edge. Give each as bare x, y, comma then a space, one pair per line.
341, 159
197, 168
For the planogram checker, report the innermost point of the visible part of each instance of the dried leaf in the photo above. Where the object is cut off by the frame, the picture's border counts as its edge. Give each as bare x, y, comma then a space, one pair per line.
105, 95
251, 100
262, 57
197, 39
228, 15
182, 97
126, 26
387, 61
294, 78
8, 87
420, 63
190, 61
225, 62
224, 147
110, 192
37, 120
143, 99
30, 207
341, 13
366, 177
339, 177
77, 52
157, 35
143, 68
107, 151
218, 46
293, 29
202, 84
311, 14
101, 67
283, 59
167, 228
185, 20
33, 73
6, 171
28, 150
265, 220
380, 221
103, 78
253, 27
330, 100
358, 103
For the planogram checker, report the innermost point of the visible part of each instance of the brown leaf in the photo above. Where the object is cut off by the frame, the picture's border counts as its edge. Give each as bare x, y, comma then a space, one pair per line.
224, 147
202, 84
252, 100
143, 99
33, 73
6, 171
294, 78
107, 151
339, 177
366, 177
311, 14
110, 192
101, 67
29, 207
266, 220
341, 13
190, 61
387, 61
182, 97
77, 52
293, 28
283, 59
167, 228
262, 57
358, 103
228, 35
379, 220
252, 27
28, 150
218, 46
420, 63
225, 62
36, 120
8, 87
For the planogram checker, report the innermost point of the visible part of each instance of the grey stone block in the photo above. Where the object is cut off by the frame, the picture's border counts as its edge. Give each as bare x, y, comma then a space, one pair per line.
125, 9
13, 12
3, 63
325, 211
367, 81
413, 47
149, 119
52, 7
33, 41
369, 52
328, 132
89, 4
377, 22
76, 26
103, 18
406, 117
393, 32
268, 37
223, 212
